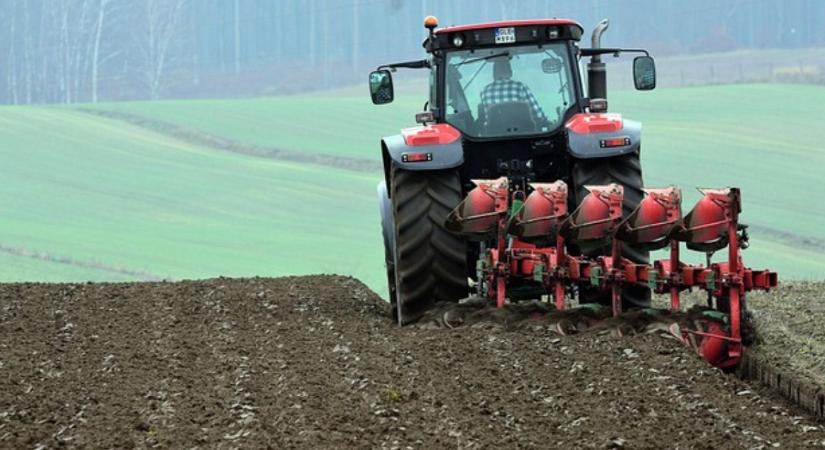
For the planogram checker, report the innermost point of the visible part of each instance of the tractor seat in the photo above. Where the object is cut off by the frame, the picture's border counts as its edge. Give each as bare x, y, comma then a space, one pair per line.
509, 118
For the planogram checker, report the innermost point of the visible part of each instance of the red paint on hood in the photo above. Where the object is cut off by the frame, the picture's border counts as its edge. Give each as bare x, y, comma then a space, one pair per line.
587, 123
436, 134
508, 23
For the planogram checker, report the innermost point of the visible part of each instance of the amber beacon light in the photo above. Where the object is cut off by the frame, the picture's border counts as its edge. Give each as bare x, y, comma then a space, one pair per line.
430, 22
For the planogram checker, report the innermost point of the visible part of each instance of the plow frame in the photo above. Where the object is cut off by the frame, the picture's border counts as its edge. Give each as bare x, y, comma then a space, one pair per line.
657, 222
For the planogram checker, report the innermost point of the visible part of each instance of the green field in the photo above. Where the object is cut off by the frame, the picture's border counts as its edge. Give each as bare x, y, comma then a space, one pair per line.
96, 190
131, 200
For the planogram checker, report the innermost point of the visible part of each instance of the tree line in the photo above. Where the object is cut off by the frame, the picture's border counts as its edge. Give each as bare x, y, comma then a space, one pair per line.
70, 51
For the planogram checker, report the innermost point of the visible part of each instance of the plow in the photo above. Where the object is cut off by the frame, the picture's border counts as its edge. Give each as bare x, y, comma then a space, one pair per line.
530, 255
519, 187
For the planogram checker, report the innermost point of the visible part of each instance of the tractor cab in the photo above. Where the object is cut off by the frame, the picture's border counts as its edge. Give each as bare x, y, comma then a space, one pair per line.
509, 79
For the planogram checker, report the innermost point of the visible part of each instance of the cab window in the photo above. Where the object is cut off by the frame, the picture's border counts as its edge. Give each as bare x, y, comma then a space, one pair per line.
509, 91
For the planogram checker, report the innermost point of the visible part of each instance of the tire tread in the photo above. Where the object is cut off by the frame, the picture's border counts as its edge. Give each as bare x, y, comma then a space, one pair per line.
431, 263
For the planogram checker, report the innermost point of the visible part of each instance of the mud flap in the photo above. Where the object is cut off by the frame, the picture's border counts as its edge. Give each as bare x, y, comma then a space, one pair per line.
387, 226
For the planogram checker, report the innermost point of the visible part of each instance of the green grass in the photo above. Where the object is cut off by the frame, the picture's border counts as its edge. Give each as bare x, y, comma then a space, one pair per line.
334, 124
97, 190
100, 190
765, 139
15, 268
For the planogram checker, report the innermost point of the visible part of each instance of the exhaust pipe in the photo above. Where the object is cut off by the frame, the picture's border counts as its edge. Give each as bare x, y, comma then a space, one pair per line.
596, 71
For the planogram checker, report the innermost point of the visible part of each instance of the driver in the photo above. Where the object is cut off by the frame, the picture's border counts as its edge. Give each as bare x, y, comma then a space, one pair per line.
504, 89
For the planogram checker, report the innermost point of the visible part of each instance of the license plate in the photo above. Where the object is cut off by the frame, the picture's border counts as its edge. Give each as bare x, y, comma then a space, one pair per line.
505, 35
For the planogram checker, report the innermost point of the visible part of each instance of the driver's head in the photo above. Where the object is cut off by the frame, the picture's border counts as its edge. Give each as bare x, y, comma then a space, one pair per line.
502, 69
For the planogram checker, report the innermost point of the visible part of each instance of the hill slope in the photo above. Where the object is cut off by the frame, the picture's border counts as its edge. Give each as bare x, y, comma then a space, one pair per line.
765, 139
91, 198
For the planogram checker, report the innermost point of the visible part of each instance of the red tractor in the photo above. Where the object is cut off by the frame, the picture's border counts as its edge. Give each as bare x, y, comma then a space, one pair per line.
518, 184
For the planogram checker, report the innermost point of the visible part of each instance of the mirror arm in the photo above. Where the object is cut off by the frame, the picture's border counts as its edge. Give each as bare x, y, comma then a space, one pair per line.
585, 52
420, 64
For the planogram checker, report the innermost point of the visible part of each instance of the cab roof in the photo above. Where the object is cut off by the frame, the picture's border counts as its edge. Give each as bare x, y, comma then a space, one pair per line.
509, 23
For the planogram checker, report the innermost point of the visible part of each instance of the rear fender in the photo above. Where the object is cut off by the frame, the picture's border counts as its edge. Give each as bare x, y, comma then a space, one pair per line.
596, 136
387, 223
432, 147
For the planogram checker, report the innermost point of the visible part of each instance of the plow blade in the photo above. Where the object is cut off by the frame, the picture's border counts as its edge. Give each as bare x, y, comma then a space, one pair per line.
540, 218
592, 224
653, 222
477, 217
706, 226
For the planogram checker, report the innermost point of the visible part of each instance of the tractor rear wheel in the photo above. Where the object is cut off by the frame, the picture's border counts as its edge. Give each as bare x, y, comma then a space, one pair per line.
625, 170
430, 262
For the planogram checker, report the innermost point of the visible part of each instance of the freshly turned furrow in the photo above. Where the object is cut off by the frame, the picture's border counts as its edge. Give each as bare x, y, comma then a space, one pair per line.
808, 396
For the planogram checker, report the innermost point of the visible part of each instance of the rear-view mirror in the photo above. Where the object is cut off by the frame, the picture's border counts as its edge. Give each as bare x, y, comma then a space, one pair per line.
381, 90
644, 73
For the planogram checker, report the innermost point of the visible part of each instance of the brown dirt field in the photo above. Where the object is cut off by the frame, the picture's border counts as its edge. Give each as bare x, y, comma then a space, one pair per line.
791, 324
314, 362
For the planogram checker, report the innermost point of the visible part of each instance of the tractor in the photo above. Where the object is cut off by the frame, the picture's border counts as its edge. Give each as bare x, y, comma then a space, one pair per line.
518, 184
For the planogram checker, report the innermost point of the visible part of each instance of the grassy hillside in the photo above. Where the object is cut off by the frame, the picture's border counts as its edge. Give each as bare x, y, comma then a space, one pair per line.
100, 199
333, 124
766, 139
118, 200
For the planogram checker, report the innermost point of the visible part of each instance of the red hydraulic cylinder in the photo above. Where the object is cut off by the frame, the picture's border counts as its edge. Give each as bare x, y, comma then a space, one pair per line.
674, 282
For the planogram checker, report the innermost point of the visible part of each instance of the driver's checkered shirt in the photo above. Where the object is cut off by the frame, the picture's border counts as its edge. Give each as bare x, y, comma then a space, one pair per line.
509, 91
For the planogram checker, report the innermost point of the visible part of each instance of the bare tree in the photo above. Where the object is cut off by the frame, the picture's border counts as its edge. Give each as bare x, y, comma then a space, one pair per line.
81, 38
61, 11
101, 16
162, 17
27, 58
312, 32
356, 45
237, 37
67, 25
12, 65
88, 50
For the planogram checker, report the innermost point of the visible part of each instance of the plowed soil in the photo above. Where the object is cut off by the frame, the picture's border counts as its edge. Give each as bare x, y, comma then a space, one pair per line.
790, 324
314, 362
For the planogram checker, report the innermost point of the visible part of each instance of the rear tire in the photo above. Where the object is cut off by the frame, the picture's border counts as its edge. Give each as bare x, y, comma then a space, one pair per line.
627, 171
430, 262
